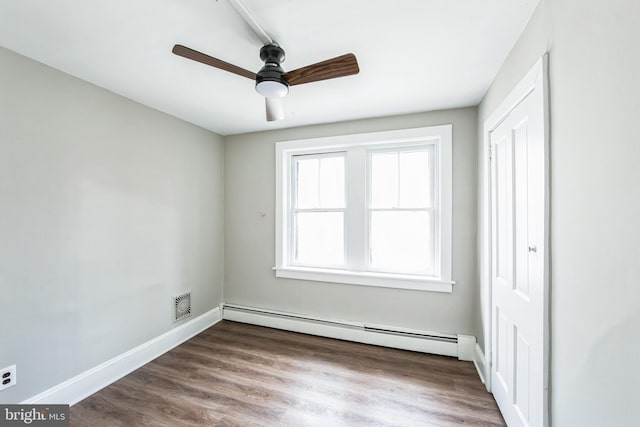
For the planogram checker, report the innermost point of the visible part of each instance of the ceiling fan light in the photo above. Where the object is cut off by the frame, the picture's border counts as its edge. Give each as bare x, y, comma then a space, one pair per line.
274, 109
272, 89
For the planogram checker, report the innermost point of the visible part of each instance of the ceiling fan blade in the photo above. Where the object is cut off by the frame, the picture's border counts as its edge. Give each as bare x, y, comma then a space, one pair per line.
194, 55
274, 109
341, 66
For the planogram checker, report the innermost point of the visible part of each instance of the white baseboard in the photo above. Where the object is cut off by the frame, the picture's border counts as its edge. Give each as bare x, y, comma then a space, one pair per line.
481, 365
460, 346
466, 346
85, 384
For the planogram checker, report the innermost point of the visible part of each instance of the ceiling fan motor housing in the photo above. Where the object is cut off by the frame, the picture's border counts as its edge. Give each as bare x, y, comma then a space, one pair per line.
270, 81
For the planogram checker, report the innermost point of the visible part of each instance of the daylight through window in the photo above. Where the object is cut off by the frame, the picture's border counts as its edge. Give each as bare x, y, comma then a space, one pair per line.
367, 209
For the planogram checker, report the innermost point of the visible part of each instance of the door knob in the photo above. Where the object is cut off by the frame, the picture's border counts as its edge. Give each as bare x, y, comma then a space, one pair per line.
533, 249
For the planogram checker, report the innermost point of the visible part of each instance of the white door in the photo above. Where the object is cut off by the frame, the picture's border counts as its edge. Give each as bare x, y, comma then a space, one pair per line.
518, 280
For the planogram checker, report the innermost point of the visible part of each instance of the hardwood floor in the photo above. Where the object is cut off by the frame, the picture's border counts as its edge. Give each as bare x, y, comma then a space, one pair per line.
235, 374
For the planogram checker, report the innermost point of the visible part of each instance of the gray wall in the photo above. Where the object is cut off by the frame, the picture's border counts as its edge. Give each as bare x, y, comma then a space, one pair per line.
595, 202
107, 210
249, 237
102, 199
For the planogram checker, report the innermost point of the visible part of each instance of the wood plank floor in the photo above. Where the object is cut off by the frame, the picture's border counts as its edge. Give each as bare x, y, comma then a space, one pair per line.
235, 374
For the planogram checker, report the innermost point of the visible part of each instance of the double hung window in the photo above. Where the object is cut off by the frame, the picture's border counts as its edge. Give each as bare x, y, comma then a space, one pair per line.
318, 210
366, 209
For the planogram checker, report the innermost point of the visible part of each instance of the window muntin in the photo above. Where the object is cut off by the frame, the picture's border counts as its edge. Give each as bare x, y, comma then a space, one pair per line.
401, 177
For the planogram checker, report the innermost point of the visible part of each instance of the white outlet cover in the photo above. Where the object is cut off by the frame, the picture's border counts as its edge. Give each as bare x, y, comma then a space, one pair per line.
8, 373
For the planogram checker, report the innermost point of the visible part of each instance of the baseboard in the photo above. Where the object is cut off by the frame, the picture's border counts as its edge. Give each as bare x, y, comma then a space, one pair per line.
85, 384
481, 365
460, 346
466, 346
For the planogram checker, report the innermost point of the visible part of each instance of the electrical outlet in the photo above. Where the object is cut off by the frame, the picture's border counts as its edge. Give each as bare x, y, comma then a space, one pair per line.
8, 377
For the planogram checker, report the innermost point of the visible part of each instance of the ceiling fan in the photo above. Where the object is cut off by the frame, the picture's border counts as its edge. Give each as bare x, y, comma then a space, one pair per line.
272, 81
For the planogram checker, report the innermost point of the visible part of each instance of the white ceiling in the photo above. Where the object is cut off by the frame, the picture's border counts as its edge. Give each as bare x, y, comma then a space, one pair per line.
414, 55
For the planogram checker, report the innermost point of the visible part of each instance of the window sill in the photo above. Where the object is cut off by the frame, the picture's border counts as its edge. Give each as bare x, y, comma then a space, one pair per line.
384, 280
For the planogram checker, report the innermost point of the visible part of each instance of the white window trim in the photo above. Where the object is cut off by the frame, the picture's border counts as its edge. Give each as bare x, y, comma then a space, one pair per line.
440, 135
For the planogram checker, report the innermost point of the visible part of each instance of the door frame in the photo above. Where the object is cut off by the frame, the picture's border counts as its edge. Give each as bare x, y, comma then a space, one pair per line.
535, 79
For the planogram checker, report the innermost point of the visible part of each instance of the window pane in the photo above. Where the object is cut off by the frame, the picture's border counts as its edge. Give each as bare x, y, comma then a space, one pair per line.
320, 238
401, 242
415, 188
332, 182
307, 183
384, 180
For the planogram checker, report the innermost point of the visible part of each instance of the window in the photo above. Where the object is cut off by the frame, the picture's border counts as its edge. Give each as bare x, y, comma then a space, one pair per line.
400, 211
318, 209
366, 209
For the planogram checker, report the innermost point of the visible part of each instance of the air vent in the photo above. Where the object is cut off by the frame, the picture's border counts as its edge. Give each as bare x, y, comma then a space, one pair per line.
182, 306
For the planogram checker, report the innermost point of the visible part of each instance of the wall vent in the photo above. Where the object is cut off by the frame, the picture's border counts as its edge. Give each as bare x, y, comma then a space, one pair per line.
182, 306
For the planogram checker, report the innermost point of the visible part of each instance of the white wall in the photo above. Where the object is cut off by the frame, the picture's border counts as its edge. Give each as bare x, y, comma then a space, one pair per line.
249, 237
595, 203
107, 210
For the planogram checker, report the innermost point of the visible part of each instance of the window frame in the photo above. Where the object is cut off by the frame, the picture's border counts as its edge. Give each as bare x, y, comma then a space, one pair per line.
439, 136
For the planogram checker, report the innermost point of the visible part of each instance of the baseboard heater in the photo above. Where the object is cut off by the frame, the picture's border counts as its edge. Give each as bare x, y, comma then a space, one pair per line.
406, 339
450, 339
